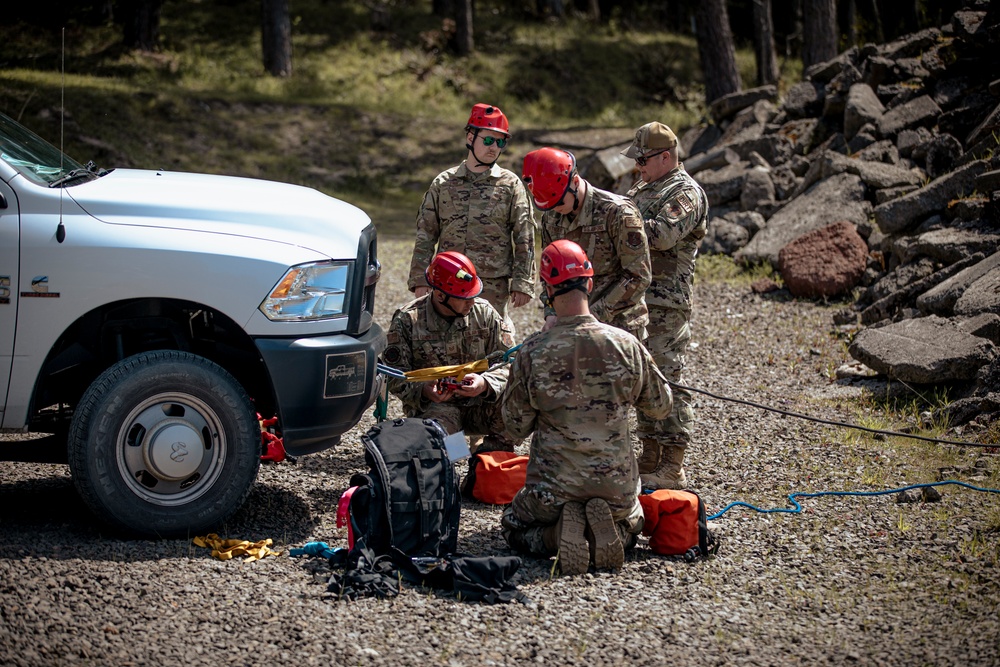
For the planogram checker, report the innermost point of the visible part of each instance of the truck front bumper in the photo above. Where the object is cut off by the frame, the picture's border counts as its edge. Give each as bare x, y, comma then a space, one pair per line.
323, 385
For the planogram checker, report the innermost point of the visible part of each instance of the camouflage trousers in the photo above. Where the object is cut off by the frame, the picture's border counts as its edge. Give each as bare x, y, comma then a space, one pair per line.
497, 292
528, 523
669, 332
477, 419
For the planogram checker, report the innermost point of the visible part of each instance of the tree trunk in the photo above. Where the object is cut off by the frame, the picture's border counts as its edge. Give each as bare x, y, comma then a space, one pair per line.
276, 37
464, 42
852, 23
716, 50
819, 31
763, 33
443, 8
141, 24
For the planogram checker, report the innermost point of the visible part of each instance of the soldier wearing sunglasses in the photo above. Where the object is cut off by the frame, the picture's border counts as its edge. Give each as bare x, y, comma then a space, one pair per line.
675, 213
482, 211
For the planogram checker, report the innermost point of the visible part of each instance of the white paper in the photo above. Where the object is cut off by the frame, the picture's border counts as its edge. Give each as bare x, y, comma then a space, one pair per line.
456, 446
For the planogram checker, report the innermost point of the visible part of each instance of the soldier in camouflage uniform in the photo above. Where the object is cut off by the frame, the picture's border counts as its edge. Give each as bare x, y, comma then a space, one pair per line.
607, 226
573, 386
675, 210
451, 326
482, 211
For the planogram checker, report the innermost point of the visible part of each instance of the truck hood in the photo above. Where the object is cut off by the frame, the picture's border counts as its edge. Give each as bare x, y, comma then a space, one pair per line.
244, 207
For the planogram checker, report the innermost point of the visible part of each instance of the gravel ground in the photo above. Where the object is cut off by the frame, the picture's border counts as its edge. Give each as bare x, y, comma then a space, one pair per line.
850, 580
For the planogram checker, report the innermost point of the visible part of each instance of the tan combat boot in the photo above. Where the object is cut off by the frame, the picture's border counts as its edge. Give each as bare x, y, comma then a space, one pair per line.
649, 460
574, 550
670, 473
606, 548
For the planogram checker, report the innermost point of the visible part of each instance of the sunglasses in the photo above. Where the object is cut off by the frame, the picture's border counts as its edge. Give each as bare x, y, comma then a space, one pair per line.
489, 141
642, 159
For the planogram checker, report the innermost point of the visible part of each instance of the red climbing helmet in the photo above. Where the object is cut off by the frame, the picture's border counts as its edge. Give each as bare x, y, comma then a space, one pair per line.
453, 273
488, 117
564, 260
548, 173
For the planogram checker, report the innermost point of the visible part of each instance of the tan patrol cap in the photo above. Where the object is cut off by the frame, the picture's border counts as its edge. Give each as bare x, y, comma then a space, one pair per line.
649, 138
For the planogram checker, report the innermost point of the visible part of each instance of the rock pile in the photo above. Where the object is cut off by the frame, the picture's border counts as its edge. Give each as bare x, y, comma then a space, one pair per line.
878, 178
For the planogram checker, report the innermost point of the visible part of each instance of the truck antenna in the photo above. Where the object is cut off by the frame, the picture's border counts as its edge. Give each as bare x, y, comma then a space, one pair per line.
61, 229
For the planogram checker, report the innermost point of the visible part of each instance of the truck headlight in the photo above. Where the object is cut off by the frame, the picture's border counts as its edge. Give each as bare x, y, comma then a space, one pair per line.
309, 292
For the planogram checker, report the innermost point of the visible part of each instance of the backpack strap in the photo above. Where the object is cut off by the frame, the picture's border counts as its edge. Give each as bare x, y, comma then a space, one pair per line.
344, 515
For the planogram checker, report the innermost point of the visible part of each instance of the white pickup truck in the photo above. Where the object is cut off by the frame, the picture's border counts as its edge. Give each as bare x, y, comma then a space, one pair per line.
147, 318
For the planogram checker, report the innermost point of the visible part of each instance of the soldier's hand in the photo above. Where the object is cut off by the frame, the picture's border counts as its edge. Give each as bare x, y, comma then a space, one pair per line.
432, 394
518, 299
550, 322
475, 388
420, 291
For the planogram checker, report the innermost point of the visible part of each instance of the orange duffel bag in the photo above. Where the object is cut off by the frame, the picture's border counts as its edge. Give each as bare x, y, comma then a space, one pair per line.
675, 524
495, 477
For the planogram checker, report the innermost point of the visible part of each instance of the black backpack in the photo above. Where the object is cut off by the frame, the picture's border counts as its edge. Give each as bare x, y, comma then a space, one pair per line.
408, 503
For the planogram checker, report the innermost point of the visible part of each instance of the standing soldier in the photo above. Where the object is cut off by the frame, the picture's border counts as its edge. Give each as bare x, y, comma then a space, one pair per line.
447, 327
607, 226
675, 210
573, 386
482, 211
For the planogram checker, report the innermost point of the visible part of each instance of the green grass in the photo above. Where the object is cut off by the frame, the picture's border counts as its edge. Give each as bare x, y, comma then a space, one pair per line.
367, 116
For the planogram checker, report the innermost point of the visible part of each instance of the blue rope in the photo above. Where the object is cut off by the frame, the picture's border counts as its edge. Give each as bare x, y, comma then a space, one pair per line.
801, 494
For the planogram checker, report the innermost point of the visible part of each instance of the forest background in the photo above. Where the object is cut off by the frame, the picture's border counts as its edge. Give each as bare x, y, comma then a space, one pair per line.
366, 99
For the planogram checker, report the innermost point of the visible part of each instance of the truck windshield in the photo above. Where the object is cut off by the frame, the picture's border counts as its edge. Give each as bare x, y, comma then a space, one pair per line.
35, 158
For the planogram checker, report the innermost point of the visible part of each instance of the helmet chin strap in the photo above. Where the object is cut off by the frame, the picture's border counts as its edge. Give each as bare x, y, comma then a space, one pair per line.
570, 191
447, 304
472, 149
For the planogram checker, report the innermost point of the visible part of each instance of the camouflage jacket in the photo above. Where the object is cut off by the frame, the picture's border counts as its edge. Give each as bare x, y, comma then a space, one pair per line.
609, 229
420, 338
572, 387
675, 210
487, 217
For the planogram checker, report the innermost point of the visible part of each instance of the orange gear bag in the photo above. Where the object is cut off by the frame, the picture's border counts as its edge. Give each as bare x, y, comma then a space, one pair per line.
495, 477
675, 524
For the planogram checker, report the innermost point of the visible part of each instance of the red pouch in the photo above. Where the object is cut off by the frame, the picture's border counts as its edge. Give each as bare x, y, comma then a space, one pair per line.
675, 524
495, 477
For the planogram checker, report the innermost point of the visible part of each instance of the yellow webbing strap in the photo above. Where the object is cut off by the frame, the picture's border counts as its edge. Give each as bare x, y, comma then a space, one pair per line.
457, 371
227, 549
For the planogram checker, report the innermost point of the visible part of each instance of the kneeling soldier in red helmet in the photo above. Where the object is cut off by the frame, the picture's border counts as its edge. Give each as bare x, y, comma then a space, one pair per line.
572, 386
446, 327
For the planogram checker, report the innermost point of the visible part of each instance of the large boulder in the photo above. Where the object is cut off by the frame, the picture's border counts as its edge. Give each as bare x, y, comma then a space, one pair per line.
863, 106
723, 185
941, 299
723, 238
826, 262
924, 350
900, 214
728, 105
917, 112
840, 197
982, 296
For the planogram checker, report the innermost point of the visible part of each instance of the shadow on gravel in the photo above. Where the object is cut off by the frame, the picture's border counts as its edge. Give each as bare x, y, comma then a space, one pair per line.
45, 517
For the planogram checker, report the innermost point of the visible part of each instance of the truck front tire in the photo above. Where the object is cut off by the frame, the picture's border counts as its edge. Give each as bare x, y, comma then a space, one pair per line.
164, 444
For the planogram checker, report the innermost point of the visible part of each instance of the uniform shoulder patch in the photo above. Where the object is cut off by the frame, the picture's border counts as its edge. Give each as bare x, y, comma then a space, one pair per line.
684, 201
392, 355
634, 240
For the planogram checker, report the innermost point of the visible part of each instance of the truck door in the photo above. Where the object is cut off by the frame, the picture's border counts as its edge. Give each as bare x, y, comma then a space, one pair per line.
9, 246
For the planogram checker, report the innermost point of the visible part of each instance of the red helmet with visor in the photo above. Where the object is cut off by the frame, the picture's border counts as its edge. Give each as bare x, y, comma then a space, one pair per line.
564, 260
488, 117
454, 274
548, 173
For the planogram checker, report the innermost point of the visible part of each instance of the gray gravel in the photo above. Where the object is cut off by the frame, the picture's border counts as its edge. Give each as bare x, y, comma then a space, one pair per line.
851, 580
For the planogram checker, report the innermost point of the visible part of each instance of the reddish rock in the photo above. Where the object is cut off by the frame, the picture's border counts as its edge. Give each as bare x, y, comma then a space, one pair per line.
826, 262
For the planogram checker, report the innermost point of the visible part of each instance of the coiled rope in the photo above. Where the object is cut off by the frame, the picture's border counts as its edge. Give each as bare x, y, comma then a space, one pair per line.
801, 494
